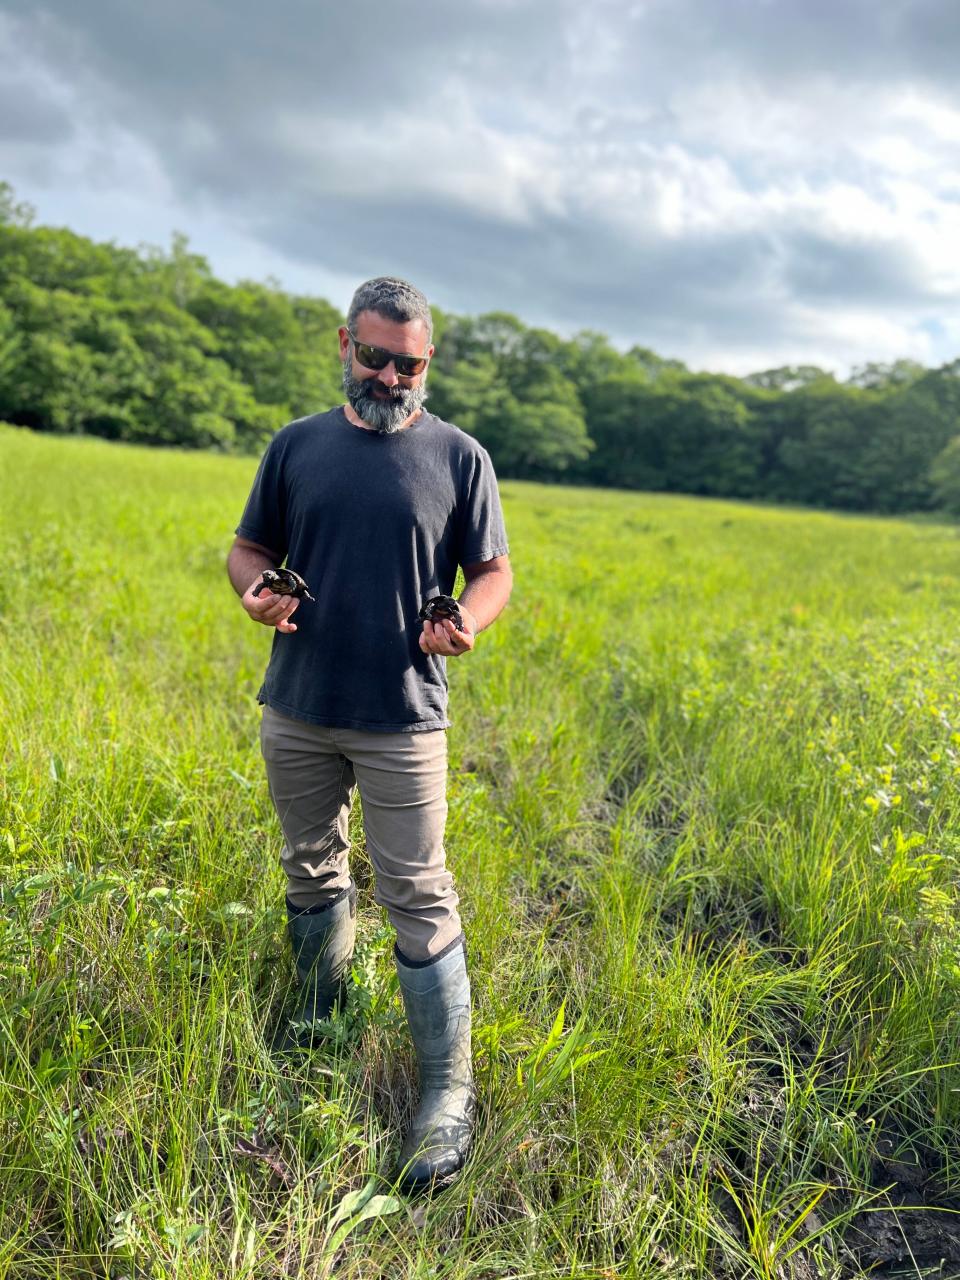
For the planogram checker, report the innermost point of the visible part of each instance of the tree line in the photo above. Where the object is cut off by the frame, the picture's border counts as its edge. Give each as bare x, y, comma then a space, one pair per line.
147, 345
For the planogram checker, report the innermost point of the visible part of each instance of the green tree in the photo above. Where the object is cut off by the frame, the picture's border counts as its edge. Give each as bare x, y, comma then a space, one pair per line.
826, 465
945, 478
790, 377
652, 365
505, 384
681, 432
531, 438
283, 348
13, 212
886, 377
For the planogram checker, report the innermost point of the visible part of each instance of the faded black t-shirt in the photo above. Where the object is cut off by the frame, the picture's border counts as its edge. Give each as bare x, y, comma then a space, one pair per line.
376, 524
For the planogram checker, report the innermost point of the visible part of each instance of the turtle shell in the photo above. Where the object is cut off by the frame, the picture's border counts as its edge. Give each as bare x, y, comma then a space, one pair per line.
283, 582
439, 607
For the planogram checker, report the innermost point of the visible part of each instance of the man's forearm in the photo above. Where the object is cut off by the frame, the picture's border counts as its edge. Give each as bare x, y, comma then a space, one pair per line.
486, 594
245, 564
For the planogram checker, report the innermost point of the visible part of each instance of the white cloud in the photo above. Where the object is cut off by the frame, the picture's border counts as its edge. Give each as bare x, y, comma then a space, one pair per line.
743, 192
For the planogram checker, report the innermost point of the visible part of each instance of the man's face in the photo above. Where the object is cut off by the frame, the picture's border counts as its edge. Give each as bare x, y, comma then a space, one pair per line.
381, 397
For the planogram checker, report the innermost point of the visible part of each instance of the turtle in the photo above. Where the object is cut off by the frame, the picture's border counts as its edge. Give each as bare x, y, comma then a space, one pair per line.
438, 607
283, 582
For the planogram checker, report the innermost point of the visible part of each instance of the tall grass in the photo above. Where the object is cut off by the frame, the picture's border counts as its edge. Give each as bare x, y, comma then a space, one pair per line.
704, 825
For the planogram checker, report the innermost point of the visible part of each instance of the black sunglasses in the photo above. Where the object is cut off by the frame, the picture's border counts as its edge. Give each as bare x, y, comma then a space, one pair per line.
378, 358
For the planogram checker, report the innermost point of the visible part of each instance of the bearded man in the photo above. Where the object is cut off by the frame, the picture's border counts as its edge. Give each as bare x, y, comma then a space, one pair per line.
375, 504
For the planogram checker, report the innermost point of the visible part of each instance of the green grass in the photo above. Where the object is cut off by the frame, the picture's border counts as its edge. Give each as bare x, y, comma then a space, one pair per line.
704, 822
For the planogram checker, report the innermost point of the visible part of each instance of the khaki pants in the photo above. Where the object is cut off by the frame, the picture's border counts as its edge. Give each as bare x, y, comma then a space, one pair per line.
313, 772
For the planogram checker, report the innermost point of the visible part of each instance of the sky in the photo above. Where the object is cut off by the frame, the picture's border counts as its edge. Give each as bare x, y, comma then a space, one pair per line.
741, 184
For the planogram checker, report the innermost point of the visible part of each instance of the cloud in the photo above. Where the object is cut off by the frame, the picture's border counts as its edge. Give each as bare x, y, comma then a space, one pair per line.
741, 185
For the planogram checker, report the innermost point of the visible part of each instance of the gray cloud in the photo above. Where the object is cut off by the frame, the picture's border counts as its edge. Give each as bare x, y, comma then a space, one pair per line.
738, 183
27, 115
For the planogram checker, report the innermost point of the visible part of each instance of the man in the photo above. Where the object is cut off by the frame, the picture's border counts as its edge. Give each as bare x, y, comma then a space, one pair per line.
374, 504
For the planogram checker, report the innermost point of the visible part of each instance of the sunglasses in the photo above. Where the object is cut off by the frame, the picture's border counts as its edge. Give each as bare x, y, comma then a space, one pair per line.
378, 358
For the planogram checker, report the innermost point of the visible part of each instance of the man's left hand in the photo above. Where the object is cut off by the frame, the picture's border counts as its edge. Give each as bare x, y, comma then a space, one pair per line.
443, 638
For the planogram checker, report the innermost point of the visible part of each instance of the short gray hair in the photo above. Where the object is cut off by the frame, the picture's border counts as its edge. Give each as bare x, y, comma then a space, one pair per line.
393, 299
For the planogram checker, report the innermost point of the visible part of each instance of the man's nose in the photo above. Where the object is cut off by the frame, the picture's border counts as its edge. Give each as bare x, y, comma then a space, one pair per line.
388, 375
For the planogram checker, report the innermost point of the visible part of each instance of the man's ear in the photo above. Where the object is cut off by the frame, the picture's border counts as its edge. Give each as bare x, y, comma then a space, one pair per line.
344, 335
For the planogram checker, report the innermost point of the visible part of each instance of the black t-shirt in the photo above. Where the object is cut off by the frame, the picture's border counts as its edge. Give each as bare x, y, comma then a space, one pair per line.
376, 524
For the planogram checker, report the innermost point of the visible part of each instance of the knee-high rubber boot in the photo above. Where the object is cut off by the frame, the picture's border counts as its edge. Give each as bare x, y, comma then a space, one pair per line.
322, 941
436, 996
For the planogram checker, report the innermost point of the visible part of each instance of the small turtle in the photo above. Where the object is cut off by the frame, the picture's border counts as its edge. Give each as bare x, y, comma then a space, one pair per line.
438, 607
283, 582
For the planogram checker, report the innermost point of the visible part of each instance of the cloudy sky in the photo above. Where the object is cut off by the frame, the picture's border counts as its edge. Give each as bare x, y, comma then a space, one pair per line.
740, 183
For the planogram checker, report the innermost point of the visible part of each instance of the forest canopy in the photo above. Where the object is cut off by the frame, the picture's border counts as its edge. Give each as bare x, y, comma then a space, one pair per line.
147, 345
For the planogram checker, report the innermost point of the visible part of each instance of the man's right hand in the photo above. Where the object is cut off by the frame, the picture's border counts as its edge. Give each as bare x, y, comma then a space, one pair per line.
270, 609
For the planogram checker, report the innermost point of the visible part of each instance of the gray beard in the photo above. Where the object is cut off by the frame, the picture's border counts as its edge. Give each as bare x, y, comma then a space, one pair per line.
385, 416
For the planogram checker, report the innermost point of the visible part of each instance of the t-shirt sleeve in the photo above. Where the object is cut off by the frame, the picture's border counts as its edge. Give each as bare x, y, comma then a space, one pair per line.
264, 518
482, 531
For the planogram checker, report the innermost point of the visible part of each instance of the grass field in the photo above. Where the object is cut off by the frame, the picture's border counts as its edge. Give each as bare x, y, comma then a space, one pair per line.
704, 823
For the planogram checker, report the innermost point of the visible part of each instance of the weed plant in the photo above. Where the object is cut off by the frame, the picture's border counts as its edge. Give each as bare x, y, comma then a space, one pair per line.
703, 818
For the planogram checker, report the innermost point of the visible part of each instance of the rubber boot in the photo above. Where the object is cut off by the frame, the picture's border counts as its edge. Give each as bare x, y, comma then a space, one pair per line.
436, 996
322, 941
